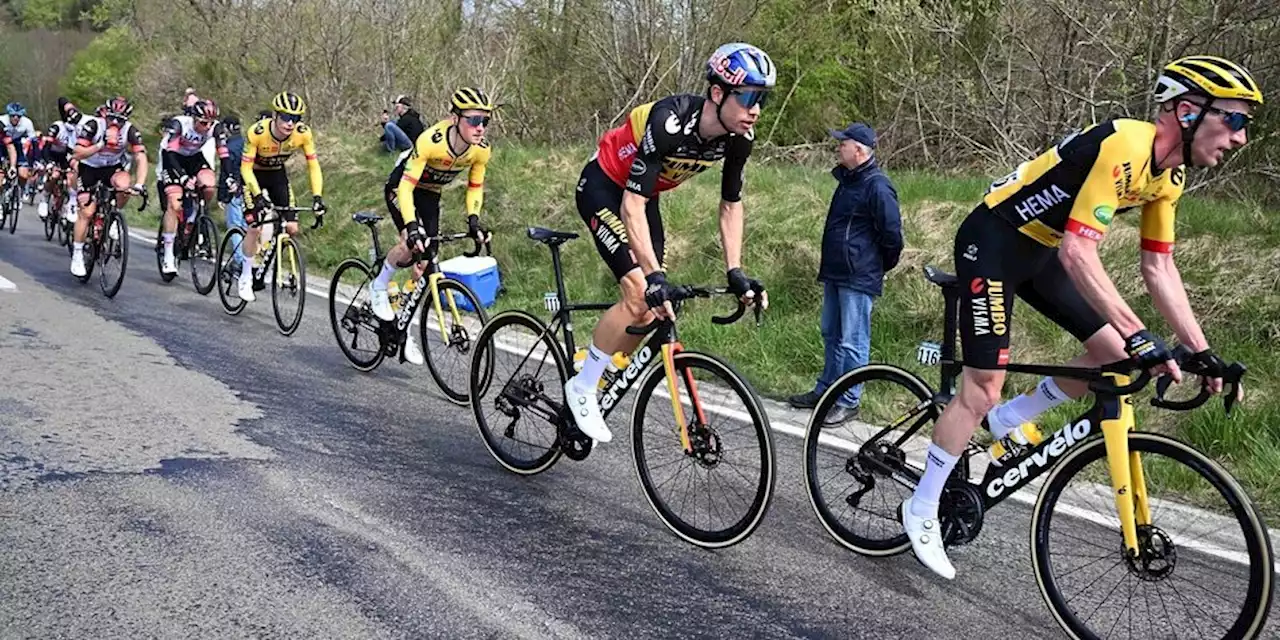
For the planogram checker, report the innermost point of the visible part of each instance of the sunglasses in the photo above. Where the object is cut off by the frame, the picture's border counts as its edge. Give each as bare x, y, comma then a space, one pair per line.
115, 118
750, 98
476, 121
288, 117
206, 123
1235, 120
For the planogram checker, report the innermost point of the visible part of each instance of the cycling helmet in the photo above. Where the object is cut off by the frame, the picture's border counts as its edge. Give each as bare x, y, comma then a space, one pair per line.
205, 110
1206, 76
739, 64
15, 109
289, 103
470, 98
119, 107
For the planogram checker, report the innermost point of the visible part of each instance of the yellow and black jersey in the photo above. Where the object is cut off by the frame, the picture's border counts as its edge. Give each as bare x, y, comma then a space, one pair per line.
263, 151
658, 147
1080, 184
433, 164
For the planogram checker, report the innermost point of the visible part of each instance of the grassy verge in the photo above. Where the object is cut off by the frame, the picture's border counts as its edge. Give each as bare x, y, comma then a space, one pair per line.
1229, 255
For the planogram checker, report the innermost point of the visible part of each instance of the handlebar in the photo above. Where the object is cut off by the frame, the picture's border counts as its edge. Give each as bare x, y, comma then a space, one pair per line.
131, 190
687, 292
1231, 376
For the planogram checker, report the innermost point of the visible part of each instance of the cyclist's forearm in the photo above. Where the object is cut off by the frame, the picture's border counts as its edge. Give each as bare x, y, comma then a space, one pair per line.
1164, 283
731, 229
247, 178
1085, 269
317, 178
13, 156
633, 218
140, 163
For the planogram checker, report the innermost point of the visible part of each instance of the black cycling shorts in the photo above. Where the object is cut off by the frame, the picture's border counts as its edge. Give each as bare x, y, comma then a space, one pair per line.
90, 177
426, 205
599, 202
181, 167
60, 159
993, 262
275, 183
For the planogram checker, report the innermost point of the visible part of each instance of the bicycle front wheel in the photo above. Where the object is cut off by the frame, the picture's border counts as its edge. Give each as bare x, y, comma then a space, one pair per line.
51, 223
714, 491
1204, 569
289, 287
354, 325
229, 266
113, 256
518, 399
447, 340
15, 206
202, 254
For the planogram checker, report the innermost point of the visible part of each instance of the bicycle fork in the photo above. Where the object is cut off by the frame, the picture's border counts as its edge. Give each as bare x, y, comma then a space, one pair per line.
1128, 481
669, 351
433, 281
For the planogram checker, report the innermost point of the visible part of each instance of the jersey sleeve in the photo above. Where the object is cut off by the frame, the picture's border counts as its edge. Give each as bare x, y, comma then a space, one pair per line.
414, 165
87, 133
249, 180
313, 163
475, 181
1156, 226
134, 140
735, 164
1096, 201
660, 135
172, 135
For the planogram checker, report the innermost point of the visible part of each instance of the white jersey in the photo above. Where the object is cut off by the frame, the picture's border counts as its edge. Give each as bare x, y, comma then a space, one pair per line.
62, 136
120, 140
182, 138
23, 131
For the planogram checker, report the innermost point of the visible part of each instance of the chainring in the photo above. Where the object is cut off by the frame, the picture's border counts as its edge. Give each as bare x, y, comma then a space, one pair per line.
961, 513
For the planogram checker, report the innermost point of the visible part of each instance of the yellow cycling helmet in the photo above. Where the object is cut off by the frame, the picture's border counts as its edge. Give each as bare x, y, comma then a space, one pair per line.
289, 103
470, 98
1208, 76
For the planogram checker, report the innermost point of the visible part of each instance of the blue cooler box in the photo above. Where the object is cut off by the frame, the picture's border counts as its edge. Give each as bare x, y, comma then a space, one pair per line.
480, 274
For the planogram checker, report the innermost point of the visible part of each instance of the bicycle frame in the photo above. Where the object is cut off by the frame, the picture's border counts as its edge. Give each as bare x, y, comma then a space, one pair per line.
429, 281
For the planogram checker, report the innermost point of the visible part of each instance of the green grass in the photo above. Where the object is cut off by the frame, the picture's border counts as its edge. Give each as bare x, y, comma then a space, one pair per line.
1228, 254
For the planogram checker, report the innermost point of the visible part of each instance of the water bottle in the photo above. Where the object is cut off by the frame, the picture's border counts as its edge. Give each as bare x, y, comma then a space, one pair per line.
1026, 436
393, 292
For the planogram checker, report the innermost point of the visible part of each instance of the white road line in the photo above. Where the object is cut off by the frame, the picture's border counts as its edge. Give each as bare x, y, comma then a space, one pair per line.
7, 285
1026, 495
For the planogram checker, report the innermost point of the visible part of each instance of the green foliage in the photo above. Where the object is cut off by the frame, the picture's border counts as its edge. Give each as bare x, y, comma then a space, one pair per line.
47, 14
104, 68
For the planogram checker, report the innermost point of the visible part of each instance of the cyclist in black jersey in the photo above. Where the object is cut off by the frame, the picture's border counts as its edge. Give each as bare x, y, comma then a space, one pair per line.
661, 145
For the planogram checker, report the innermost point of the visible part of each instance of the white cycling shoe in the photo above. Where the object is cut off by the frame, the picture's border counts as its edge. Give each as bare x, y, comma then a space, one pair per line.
43, 209
380, 302
412, 353
245, 288
586, 412
170, 264
926, 541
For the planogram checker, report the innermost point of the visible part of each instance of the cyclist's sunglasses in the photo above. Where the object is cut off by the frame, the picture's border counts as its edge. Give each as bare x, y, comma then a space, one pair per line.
1235, 120
476, 121
750, 97
205, 122
288, 117
115, 118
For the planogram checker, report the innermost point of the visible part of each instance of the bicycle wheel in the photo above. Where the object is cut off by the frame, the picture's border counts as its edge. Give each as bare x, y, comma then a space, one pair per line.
202, 255
354, 325
228, 273
517, 400
114, 254
15, 207
715, 494
289, 286
1204, 572
167, 277
447, 343
849, 473
51, 222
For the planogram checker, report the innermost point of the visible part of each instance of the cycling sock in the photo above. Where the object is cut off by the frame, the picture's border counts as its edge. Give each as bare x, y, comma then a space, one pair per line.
937, 468
384, 278
1025, 407
592, 369
77, 247
168, 244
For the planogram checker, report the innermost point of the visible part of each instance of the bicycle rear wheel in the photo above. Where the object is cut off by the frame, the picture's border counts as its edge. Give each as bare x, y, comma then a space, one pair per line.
850, 471
289, 286
202, 255
229, 271
354, 325
518, 400
114, 253
1203, 571
448, 356
715, 493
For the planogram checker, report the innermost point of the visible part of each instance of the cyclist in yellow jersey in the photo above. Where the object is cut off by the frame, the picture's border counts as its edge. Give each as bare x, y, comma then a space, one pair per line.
442, 152
1036, 235
268, 144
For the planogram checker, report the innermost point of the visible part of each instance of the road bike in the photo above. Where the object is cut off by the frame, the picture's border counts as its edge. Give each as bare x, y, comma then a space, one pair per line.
446, 327
282, 261
10, 205
700, 440
193, 242
1126, 523
106, 243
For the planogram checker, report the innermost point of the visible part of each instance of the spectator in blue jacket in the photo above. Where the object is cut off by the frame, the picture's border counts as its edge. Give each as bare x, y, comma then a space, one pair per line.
230, 191
861, 241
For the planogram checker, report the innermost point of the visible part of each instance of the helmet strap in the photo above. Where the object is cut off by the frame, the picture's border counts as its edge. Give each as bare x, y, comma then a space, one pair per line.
724, 95
1189, 133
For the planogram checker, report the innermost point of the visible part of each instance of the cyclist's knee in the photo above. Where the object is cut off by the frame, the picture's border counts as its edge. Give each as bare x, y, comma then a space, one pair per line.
980, 390
1104, 346
291, 227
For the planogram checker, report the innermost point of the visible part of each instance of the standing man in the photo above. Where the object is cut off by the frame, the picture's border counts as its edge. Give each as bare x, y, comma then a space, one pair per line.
861, 242
230, 192
401, 134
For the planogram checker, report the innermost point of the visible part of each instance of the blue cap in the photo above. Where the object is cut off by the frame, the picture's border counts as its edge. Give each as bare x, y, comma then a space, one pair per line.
858, 132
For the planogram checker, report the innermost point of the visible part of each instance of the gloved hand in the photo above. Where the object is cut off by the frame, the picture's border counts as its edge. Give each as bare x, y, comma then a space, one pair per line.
318, 208
415, 237
475, 229
657, 294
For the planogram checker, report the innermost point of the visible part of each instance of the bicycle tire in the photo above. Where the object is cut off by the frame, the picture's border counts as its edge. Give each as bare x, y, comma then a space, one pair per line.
724, 375
15, 207
1252, 618
447, 377
113, 251
51, 223
481, 379
356, 314
226, 283
203, 254
864, 544
167, 277
288, 256
92, 246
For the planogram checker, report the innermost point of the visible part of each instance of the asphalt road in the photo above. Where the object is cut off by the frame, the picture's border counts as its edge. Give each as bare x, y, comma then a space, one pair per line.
170, 471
